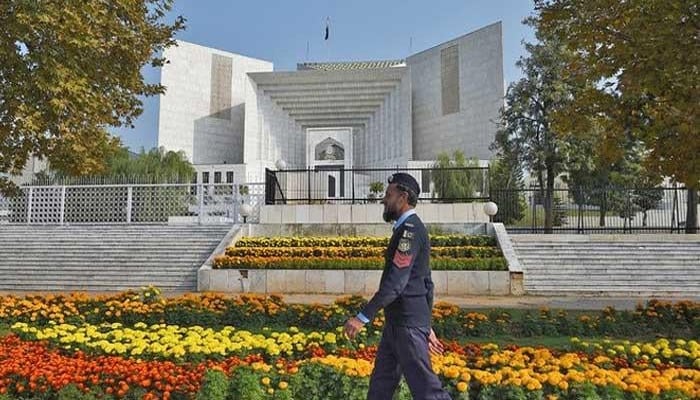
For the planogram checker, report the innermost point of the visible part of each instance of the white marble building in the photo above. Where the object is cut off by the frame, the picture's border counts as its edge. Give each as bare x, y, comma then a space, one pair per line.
234, 116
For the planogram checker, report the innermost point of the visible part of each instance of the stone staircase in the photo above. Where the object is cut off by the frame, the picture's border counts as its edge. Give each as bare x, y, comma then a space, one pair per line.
613, 265
104, 257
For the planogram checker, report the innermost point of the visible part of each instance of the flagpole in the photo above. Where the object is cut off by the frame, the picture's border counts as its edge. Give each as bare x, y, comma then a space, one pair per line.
327, 36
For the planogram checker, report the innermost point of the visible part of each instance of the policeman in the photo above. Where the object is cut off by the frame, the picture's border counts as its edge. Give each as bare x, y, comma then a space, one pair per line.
406, 295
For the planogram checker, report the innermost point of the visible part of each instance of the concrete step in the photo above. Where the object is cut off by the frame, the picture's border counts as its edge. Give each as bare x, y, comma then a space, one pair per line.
116, 269
107, 240
609, 262
662, 294
99, 264
610, 249
183, 234
104, 258
653, 265
92, 277
94, 286
140, 255
602, 282
612, 289
689, 290
610, 257
574, 274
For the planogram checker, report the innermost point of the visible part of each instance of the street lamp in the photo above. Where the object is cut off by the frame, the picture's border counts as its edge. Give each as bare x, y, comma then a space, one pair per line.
246, 210
281, 164
490, 209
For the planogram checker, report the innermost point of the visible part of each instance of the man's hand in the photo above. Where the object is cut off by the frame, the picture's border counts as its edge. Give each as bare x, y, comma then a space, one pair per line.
434, 345
352, 327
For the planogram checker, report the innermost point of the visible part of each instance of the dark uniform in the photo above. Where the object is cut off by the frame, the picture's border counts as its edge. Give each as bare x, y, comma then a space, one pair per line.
406, 295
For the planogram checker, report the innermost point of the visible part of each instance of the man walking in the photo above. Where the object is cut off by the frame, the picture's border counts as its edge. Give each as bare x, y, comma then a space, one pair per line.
406, 295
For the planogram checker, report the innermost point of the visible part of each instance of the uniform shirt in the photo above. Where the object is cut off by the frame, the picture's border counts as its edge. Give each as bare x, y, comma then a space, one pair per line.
405, 289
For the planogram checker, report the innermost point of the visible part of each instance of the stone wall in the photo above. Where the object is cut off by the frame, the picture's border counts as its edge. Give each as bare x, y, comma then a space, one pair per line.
367, 213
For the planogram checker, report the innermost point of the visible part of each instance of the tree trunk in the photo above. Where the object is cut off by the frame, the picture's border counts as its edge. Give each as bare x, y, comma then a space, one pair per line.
691, 220
548, 197
603, 208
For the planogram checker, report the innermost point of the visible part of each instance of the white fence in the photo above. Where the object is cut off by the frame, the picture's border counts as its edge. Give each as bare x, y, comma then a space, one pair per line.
133, 204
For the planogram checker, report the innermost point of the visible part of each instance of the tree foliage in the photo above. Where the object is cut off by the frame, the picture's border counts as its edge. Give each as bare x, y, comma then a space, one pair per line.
644, 55
155, 166
643, 58
526, 129
506, 187
452, 179
70, 70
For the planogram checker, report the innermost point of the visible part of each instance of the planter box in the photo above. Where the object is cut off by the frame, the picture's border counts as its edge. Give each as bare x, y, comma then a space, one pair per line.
344, 282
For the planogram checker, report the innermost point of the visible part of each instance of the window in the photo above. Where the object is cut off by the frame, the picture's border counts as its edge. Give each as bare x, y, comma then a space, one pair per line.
425, 181
449, 75
229, 176
331, 186
220, 97
217, 177
205, 177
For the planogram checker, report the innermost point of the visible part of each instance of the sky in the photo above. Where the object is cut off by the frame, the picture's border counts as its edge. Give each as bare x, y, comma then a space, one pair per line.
279, 31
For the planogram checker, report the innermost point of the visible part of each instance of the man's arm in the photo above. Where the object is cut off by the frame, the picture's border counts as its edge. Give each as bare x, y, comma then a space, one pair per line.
396, 277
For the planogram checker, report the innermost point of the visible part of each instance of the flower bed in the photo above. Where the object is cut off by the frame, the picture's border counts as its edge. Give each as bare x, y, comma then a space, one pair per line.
253, 312
140, 345
449, 252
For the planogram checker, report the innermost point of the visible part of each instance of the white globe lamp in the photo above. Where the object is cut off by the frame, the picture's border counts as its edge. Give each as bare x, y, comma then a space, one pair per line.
246, 210
490, 209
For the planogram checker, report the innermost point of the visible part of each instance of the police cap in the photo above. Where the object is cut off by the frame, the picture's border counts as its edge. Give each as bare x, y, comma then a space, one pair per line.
405, 180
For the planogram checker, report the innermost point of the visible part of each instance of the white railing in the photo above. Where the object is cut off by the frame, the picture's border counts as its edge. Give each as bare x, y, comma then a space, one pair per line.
133, 204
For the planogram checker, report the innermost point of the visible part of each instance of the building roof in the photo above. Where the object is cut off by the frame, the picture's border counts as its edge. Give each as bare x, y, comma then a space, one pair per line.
350, 65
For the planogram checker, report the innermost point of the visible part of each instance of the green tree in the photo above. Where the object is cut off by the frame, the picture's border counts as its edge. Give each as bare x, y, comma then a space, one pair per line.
376, 191
155, 166
506, 187
70, 70
151, 167
623, 185
642, 57
452, 181
526, 120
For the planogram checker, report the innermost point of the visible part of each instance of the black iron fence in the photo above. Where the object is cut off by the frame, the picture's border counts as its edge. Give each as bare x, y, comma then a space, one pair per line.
607, 210
367, 185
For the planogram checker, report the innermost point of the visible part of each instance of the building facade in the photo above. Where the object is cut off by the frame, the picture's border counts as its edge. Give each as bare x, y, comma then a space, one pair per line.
236, 116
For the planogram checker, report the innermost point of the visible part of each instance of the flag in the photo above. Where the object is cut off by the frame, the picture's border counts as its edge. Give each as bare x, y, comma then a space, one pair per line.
327, 28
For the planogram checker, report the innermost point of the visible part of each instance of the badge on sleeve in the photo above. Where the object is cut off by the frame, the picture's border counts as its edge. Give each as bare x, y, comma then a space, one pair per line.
402, 257
404, 245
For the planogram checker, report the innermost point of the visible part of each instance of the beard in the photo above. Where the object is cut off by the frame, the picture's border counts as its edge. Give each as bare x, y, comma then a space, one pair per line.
389, 215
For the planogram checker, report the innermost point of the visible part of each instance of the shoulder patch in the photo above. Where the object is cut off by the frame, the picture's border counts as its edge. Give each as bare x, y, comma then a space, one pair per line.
408, 234
402, 260
409, 224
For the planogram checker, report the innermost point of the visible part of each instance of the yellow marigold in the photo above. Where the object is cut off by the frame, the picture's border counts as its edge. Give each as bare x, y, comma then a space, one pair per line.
462, 386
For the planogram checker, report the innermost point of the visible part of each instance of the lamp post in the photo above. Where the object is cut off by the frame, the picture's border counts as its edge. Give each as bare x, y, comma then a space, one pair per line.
281, 164
246, 210
490, 209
